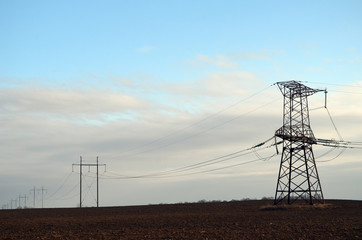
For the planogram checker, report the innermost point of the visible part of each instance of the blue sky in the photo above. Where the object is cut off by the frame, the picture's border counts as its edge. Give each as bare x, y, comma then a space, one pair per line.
63, 41
103, 77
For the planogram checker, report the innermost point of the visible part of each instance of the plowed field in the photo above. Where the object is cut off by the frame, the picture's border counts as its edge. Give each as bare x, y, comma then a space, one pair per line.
226, 220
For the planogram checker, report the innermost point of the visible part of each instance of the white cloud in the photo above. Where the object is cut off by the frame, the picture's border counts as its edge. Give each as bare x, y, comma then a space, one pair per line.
145, 49
219, 62
261, 55
250, 56
39, 145
66, 103
232, 60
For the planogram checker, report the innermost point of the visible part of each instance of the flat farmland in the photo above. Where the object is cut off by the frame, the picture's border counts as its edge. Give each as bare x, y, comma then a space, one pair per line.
338, 219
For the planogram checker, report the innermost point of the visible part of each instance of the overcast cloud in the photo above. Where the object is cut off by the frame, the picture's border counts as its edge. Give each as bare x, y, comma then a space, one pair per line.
46, 130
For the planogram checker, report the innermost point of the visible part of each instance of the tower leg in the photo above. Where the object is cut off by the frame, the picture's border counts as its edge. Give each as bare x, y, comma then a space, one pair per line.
298, 176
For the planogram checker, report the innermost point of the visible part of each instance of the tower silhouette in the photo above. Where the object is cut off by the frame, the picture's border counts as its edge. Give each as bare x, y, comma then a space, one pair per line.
298, 176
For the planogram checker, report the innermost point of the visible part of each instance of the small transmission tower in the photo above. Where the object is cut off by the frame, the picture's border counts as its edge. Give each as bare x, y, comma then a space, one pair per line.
298, 176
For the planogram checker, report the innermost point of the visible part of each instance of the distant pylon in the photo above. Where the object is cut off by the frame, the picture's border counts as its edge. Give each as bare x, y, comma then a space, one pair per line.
298, 176
81, 165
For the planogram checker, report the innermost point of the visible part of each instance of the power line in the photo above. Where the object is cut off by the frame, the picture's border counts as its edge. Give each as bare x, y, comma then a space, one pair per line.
199, 164
329, 160
339, 85
61, 186
220, 159
359, 93
340, 144
334, 84
336, 143
206, 171
65, 196
334, 125
206, 130
192, 125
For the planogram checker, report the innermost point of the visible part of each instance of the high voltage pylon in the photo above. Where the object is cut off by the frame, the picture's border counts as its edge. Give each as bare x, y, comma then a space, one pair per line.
15, 201
42, 190
22, 197
298, 176
81, 165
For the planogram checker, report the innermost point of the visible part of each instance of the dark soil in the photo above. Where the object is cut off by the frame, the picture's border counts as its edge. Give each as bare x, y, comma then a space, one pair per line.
225, 220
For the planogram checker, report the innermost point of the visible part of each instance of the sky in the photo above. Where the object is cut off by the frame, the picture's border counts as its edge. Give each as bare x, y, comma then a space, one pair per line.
154, 86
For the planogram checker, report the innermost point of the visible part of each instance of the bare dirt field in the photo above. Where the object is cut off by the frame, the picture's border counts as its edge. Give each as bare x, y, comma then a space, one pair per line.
218, 220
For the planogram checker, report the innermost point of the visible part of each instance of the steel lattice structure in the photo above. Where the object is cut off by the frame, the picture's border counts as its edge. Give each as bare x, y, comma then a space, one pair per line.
298, 176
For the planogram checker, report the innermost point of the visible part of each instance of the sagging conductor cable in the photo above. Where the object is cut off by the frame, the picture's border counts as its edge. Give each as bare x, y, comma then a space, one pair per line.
200, 164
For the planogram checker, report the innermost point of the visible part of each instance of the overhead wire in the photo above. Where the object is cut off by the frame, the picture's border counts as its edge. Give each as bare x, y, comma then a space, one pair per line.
334, 125
65, 196
206, 130
341, 143
339, 135
335, 157
71, 197
192, 125
196, 165
225, 167
338, 91
334, 84
218, 159
317, 108
181, 171
339, 85
326, 153
60, 187
341, 151
336, 144
209, 170
186, 168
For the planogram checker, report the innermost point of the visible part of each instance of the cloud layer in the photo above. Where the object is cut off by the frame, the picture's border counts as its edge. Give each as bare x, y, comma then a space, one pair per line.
138, 128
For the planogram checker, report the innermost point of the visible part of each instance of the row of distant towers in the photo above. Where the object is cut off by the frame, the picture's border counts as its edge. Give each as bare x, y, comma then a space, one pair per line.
298, 177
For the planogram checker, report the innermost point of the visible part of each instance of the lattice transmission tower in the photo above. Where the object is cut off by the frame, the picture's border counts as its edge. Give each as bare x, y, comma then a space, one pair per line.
298, 176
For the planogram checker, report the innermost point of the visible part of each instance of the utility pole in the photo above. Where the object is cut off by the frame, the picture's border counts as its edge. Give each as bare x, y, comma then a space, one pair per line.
298, 176
15, 201
33, 190
81, 165
22, 197
34, 198
42, 196
97, 185
80, 181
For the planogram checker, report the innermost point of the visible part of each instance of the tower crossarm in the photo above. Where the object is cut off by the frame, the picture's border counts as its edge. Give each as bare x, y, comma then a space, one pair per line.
294, 89
295, 133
